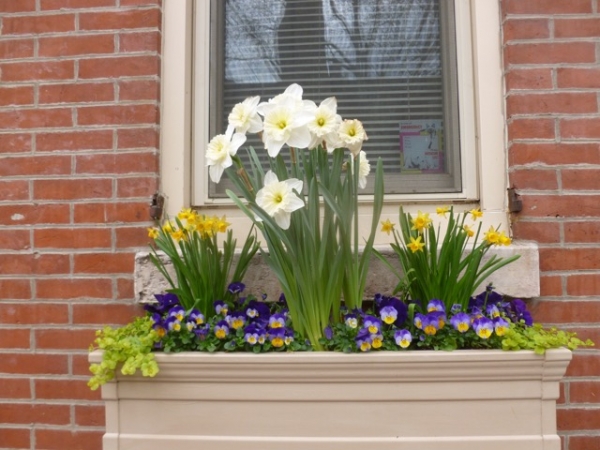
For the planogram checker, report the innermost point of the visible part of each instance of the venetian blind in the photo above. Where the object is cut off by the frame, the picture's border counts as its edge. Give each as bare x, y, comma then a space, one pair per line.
383, 61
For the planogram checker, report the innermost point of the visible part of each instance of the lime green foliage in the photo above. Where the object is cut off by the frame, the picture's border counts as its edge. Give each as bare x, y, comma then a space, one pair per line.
538, 339
203, 270
316, 259
444, 265
129, 347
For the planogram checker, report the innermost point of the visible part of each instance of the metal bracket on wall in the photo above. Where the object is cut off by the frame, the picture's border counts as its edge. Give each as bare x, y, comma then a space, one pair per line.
156, 206
515, 204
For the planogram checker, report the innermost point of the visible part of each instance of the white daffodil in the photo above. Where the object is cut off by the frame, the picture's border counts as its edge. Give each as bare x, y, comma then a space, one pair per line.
278, 198
220, 150
364, 168
244, 116
284, 123
352, 134
324, 125
292, 92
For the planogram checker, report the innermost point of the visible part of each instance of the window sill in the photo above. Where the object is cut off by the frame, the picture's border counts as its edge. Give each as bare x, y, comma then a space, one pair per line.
519, 279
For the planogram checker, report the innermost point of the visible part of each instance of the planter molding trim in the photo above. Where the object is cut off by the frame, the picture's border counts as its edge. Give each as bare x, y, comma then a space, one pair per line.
418, 400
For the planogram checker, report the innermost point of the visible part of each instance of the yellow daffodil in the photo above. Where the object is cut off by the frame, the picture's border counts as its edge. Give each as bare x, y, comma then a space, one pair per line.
492, 237
168, 227
387, 226
442, 211
421, 222
503, 239
178, 235
185, 214
152, 233
416, 245
476, 213
222, 225
469, 230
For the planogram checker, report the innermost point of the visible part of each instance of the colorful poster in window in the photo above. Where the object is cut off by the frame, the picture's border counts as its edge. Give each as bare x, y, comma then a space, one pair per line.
422, 146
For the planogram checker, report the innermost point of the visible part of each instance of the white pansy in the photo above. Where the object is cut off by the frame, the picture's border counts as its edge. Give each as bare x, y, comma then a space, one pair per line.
283, 124
219, 152
244, 116
278, 198
352, 135
364, 168
324, 125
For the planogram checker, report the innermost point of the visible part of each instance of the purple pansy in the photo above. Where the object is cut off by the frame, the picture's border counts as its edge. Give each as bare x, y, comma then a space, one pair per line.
461, 322
403, 338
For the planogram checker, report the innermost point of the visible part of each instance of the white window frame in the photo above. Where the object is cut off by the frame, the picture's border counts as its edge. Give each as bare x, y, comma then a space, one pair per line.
184, 130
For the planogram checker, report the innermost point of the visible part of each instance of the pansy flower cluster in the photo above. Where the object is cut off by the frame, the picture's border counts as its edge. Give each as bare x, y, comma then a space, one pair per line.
244, 324
394, 325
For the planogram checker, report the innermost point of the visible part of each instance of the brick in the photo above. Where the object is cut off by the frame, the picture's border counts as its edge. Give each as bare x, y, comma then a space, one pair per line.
39, 70
561, 312
119, 20
74, 288
525, 29
35, 165
15, 289
15, 143
570, 28
584, 365
120, 66
529, 79
577, 419
584, 442
35, 118
35, 264
117, 115
75, 140
569, 103
547, 6
16, 48
582, 232
36, 413
550, 53
104, 263
32, 364
68, 4
125, 289
121, 163
138, 138
49, 439
72, 238
137, 187
90, 415
545, 232
534, 179
71, 189
15, 96
76, 93
127, 212
64, 389
588, 284
139, 90
569, 259
580, 128
551, 286
14, 239
140, 2
11, 6
148, 41
57, 339
531, 129
15, 437
27, 214
14, 338
561, 206
569, 77
15, 388
77, 45
584, 391
14, 190
106, 314
81, 365
554, 153
39, 313
578, 179
56, 23
132, 237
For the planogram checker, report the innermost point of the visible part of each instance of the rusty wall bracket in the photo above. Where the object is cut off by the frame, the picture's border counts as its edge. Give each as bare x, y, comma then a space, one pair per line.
515, 204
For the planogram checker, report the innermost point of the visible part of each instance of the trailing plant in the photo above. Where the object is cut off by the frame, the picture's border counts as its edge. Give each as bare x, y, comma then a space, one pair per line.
539, 339
128, 347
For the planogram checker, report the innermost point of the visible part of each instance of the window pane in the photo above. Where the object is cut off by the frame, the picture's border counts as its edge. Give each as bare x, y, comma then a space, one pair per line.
383, 60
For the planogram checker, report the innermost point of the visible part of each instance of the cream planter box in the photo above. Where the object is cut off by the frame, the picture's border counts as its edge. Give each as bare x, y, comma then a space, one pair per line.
418, 400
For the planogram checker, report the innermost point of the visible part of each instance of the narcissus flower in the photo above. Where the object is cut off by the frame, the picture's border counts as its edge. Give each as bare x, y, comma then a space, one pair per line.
415, 244
421, 222
442, 211
387, 226
278, 198
469, 230
324, 125
492, 236
476, 213
364, 168
244, 117
284, 124
153, 233
219, 152
352, 135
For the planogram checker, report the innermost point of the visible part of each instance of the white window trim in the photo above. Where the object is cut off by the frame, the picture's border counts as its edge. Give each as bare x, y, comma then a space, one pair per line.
480, 68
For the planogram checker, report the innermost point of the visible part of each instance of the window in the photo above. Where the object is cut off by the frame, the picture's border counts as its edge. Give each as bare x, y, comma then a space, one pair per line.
390, 64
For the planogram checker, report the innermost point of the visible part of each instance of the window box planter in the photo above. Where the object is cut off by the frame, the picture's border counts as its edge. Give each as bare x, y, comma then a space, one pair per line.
418, 400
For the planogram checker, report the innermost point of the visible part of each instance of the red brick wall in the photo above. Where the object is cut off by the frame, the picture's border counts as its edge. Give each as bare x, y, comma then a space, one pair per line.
79, 102
552, 66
